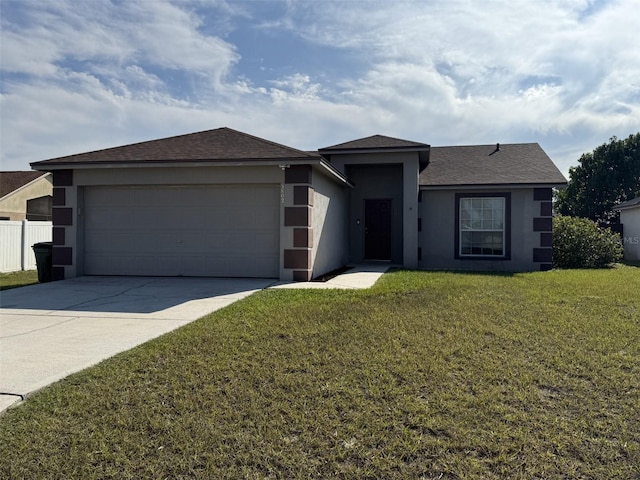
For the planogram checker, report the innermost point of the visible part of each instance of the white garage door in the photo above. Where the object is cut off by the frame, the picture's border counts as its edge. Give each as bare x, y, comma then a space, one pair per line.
226, 231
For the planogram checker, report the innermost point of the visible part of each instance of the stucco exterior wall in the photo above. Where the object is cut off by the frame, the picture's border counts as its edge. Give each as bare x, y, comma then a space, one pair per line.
328, 220
437, 237
403, 189
178, 176
68, 237
630, 219
14, 205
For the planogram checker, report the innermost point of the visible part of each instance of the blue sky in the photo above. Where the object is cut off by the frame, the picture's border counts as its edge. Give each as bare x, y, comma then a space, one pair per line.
83, 75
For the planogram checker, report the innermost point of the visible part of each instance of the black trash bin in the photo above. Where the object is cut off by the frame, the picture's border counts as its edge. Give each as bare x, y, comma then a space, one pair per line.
43, 252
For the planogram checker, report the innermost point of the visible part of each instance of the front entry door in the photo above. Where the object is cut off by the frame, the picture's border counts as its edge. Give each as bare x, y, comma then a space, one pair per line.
377, 229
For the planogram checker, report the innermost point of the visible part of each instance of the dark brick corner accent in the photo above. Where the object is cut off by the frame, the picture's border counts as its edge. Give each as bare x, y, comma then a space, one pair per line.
419, 253
62, 256
57, 273
419, 224
59, 196
298, 174
62, 216
545, 267
542, 255
301, 275
297, 217
58, 236
542, 224
302, 195
303, 237
542, 194
546, 209
297, 259
546, 239
63, 178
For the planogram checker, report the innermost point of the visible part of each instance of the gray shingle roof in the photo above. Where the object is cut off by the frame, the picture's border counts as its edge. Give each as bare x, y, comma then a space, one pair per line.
375, 142
12, 181
634, 202
221, 144
516, 163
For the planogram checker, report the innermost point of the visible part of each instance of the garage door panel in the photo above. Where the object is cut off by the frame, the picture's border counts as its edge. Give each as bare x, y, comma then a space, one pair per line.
159, 230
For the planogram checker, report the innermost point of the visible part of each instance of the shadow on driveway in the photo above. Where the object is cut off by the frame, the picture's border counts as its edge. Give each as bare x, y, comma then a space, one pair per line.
124, 294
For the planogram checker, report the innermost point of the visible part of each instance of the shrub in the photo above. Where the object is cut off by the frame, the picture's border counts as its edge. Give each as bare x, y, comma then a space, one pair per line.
580, 243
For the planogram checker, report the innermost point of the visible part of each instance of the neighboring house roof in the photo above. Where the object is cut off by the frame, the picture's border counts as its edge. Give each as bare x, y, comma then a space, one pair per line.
376, 142
498, 164
12, 181
221, 144
633, 203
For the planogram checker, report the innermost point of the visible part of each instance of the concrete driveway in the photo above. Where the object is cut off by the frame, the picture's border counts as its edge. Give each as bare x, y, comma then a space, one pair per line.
50, 330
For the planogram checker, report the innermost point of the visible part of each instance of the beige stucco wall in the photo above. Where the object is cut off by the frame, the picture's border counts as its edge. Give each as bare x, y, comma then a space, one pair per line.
14, 205
630, 220
437, 238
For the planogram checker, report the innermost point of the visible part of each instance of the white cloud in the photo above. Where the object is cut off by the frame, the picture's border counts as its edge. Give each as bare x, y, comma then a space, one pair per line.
85, 75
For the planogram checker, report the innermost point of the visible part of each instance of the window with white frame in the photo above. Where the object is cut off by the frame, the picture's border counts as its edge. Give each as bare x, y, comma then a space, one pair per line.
482, 230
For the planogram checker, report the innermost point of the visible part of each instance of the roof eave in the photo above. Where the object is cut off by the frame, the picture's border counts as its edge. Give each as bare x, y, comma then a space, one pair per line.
62, 165
316, 161
493, 186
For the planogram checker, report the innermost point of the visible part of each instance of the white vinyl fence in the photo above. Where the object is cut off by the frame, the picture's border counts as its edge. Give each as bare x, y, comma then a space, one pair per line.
16, 240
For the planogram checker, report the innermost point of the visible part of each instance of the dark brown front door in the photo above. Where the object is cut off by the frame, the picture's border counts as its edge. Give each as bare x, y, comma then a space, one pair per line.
377, 229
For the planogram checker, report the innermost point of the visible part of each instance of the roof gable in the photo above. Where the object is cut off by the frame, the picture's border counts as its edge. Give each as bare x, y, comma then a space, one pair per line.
375, 142
521, 163
12, 181
221, 144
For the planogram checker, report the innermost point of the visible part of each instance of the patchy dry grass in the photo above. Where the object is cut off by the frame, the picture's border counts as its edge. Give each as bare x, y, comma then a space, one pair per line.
18, 279
426, 375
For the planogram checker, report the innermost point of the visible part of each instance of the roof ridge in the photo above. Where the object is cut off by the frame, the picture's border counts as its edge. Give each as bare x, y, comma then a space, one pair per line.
484, 145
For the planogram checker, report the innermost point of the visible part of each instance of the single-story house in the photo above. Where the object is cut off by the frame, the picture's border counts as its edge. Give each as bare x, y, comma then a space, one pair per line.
25, 195
630, 220
225, 203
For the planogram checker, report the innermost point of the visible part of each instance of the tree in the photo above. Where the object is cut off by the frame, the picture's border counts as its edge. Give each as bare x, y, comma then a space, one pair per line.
607, 176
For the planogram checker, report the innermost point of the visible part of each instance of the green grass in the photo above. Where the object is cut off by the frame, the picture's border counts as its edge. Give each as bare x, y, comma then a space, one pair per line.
426, 375
18, 279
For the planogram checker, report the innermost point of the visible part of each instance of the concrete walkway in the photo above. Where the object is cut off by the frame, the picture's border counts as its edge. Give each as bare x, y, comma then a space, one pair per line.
360, 276
50, 330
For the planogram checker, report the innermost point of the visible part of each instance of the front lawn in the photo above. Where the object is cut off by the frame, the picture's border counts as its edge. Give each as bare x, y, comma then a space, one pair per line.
18, 279
426, 375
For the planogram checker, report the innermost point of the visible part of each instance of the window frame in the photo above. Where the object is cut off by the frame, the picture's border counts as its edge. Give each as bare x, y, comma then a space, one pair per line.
506, 226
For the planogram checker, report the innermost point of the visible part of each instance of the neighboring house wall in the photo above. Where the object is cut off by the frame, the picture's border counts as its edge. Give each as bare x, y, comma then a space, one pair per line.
630, 219
14, 205
329, 218
530, 230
